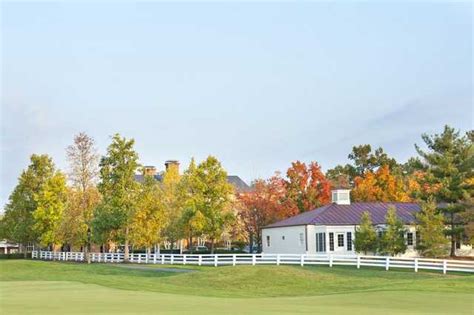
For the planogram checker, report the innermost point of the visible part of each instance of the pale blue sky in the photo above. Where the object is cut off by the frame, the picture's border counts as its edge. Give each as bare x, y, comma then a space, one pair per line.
257, 85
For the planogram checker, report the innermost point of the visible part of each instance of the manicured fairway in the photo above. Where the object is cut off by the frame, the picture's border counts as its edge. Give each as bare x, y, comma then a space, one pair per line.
35, 287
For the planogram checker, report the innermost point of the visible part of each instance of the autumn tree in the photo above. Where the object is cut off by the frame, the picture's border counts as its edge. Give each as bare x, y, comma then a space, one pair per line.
432, 241
380, 185
51, 202
172, 204
83, 196
365, 236
149, 218
363, 160
392, 241
113, 216
449, 159
307, 186
17, 222
265, 204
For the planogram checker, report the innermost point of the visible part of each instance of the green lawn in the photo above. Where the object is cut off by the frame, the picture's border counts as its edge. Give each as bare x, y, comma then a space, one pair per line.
36, 287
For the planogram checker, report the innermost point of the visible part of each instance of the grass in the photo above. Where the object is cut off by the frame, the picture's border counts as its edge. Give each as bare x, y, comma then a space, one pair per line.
36, 287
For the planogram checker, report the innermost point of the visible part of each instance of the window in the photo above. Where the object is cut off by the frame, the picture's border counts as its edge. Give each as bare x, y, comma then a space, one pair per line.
340, 240
458, 244
301, 239
410, 239
331, 242
380, 233
334, 196
417, 238
268, 240
320, 242
349, 241
283, 237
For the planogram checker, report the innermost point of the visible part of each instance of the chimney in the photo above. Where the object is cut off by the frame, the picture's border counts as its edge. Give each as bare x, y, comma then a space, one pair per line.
149, 170
172, 163
341, 196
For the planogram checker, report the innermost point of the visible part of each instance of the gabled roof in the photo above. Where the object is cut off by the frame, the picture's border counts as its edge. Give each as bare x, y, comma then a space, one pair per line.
238, 183
334, 214
234, 180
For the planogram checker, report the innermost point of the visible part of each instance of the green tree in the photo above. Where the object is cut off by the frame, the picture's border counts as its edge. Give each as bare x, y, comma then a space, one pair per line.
149, 218
17, 222
213, 198
365, 236
192, 220
51, 202
113, 217
432, 241
450, 169
392, 241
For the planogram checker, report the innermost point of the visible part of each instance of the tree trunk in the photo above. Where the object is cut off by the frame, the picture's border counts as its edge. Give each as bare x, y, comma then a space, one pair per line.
251, 243
212, 246
453, 239
126, 253
190, 245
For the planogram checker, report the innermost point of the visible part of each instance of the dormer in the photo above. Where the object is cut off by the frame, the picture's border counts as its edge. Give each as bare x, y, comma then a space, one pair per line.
341, 196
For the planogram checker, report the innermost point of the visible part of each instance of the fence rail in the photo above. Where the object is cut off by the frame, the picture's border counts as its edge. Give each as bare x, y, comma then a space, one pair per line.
416, 264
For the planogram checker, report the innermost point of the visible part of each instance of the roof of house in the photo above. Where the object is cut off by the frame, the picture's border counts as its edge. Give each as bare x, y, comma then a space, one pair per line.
334, 214
234, 180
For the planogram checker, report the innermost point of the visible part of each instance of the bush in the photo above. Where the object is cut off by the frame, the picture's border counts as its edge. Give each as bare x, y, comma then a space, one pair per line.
15, 256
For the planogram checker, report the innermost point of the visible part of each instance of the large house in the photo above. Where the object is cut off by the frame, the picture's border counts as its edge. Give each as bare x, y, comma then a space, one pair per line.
238, 184
331, 229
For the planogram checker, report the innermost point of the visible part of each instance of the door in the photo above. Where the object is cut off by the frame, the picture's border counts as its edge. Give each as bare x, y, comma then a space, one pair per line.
340, 243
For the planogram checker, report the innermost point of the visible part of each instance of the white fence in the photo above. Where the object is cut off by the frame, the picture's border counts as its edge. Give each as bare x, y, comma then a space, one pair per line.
267, 259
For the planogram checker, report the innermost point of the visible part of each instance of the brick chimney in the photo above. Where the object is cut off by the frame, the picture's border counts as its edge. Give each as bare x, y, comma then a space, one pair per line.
149, 170
172, 163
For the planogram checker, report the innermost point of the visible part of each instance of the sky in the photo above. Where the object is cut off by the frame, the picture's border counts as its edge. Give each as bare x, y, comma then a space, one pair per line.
258, 85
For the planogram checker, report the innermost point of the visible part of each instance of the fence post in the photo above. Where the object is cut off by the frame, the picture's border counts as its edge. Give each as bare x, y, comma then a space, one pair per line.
172, 258
162, 259
234, 258
254, 258
154, 258
184, 259
215, 260
200, 260
387, 263
330, 261
302, 260
139, 258
445, 266
358, 262
278, 259
416, 264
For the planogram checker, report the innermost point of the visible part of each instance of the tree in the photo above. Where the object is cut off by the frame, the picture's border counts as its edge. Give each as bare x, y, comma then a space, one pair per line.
17, 223
51, 202
306, 186
212, 197
192, 221
172, 203
450, 166
149, 218
432, 240
392, 241
365, 236
84, 197
380, 185
113, 217
265, 204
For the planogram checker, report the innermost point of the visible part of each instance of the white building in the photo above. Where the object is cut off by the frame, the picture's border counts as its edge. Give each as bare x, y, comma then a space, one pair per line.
331, 229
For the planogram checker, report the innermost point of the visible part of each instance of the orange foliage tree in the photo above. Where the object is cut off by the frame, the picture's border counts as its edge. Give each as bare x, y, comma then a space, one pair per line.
382, 185
265, 204
307, 186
